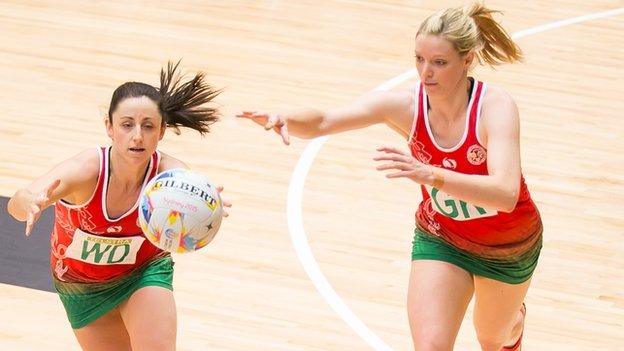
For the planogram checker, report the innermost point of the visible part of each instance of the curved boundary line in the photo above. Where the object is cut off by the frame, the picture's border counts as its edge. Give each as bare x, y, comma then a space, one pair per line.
297, 182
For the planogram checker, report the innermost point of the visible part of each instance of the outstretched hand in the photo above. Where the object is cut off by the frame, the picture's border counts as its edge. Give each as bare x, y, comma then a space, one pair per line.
226, 204
275, 122
407, 165
39, 203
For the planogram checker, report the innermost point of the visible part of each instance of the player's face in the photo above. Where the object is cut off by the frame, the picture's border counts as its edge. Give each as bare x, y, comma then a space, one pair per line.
440, 67
136, 128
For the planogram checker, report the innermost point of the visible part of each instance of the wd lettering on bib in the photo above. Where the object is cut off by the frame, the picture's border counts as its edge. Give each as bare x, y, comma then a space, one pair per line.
99, 250
458, 210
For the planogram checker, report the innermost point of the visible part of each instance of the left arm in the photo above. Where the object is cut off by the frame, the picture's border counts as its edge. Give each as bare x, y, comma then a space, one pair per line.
500, 133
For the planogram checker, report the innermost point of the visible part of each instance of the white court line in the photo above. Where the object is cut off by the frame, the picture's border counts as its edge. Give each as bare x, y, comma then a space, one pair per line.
297, 182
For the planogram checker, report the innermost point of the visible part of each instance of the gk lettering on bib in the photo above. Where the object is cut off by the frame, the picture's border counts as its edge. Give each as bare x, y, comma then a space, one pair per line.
458, 210
100, 250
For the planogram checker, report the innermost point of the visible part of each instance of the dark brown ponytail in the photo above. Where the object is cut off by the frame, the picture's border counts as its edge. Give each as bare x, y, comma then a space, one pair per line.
181, 104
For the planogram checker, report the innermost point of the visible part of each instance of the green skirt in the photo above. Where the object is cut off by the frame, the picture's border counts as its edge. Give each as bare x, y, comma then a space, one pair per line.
512, 270
86, 302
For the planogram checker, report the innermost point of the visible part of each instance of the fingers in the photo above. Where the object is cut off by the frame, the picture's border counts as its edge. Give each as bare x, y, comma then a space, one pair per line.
258, 118
399, 175
39, 202
269, 122
278, 124
247, 114
399, 160
29, 223
273, 121
224, 202
44, 197
50, 188
389, 149
31, 217
393, 157
404, 163
394, 165
284, 133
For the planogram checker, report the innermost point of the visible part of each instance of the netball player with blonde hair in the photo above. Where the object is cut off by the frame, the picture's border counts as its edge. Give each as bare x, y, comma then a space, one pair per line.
116, 286
477, 230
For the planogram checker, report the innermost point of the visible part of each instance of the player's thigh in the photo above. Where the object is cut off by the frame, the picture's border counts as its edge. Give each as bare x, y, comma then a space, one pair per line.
105, 333
438, 295
150, 318
496, 308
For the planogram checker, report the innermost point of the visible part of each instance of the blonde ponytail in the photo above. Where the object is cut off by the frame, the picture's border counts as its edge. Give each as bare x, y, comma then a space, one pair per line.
496, 45
473, 29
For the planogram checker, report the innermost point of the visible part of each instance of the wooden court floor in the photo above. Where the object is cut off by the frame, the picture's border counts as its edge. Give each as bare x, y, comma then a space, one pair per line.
61, 60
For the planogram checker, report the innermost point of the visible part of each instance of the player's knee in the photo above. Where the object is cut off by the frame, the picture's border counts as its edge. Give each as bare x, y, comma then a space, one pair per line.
489, 343
159, 336
432, 339
154, 342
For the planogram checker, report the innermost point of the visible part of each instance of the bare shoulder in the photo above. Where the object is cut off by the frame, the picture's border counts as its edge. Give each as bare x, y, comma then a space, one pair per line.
169, 162
84, 181
80, 169
78, 175
88, 161
499, 115
496, 98
498, 106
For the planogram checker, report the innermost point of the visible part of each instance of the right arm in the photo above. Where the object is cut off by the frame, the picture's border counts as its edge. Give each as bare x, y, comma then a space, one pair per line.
394, 109
73, 180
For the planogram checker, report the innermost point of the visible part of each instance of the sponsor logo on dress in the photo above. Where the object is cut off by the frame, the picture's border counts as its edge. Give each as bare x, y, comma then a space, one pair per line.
114, 229
476, 154
99, 250
449, 163
418, 151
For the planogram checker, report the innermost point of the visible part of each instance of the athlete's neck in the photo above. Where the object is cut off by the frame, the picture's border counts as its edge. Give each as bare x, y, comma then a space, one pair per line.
450, 107
128, 175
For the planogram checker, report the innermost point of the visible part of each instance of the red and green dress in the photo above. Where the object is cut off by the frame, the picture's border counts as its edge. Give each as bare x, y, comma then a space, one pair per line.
97, 262
486, 242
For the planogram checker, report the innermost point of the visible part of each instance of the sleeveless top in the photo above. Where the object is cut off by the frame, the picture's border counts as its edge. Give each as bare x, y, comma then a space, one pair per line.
482, 231
88, 246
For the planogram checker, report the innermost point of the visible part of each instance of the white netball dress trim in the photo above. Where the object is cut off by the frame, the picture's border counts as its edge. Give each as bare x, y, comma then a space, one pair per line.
105, 188
463, 139
416, 107
478, 118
